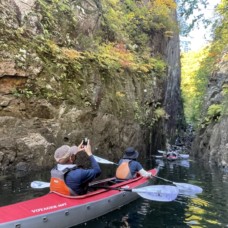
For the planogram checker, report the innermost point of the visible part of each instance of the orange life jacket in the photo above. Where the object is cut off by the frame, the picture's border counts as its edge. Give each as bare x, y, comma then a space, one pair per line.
123, 171
57, 183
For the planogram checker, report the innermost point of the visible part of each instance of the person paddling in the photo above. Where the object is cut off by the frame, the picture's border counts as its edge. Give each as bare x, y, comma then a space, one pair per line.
128, 167
70, 178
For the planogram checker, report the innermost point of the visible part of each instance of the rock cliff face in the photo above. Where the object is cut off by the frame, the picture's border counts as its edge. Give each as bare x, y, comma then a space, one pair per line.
47, 100
211, 142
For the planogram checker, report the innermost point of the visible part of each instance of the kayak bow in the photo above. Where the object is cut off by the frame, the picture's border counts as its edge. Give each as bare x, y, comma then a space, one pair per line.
53, 210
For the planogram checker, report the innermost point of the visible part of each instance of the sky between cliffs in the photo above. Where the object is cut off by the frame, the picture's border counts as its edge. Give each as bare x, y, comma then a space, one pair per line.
201, 36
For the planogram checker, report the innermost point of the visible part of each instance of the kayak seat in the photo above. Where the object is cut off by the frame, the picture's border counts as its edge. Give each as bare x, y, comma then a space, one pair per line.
119, 180
122, 180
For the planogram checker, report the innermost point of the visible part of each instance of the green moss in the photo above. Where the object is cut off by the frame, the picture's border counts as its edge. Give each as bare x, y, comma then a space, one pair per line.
213, 115
214, 111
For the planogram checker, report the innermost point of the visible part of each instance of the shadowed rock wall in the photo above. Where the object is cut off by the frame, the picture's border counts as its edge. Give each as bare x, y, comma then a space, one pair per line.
211, 141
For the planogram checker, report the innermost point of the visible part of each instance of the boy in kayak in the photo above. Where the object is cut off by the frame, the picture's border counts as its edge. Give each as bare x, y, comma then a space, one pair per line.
70, 178
128, 167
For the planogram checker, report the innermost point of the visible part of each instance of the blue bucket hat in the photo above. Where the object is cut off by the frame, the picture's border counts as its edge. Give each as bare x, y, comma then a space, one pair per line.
130, 153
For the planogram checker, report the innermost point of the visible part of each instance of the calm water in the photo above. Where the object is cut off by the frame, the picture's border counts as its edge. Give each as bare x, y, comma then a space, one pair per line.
209, 209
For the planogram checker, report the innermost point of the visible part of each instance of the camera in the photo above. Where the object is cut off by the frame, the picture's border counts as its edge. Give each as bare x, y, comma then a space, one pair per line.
85, 141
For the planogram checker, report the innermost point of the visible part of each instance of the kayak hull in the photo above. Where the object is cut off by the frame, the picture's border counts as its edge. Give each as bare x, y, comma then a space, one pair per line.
75, 215
53, 210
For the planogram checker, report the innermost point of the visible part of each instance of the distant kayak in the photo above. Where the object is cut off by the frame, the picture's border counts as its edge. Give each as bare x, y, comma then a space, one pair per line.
172, 155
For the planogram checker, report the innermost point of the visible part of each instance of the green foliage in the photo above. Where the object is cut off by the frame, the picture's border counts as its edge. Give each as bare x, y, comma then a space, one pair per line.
213, 114
214, 111
123, 44
196, 69
221, 31
220, 45
148, 117
23, 93
225, 100
142, 114
133, 21
160, 113
56, 15
116, 56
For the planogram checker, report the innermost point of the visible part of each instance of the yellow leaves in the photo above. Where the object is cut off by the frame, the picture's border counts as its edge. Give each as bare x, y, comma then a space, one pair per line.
53, 47
196, 68
161, 15
168, 34
66, 52
130, 16
120, 94
145, 68
113, 2
169, 3
118, 53
126, 58
71, 53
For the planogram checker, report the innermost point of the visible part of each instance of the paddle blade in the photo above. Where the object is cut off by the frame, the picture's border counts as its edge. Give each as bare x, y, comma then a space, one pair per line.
162, 151
40, 184
103, 161
184, 156
188, 189
159, 156
163, 193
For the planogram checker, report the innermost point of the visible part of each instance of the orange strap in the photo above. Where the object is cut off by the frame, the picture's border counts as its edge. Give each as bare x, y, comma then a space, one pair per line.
57, 185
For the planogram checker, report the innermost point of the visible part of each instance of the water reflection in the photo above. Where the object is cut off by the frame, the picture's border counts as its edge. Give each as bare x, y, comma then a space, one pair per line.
182, 162
16, 188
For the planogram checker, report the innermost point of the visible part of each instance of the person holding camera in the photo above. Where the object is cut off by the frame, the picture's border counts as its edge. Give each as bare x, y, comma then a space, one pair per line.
128, 167
72, 175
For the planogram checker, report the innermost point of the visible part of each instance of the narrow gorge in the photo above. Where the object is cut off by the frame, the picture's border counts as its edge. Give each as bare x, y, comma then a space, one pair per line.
107, 70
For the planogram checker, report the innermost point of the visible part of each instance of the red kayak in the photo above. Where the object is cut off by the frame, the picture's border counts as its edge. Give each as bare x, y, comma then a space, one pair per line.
53, 210
172, 156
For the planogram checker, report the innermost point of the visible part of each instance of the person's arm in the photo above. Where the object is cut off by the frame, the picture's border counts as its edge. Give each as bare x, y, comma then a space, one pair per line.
144, 173
95, 165
139, 169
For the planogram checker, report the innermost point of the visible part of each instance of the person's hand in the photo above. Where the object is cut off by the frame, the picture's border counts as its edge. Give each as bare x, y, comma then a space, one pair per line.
81, 147
88, 149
